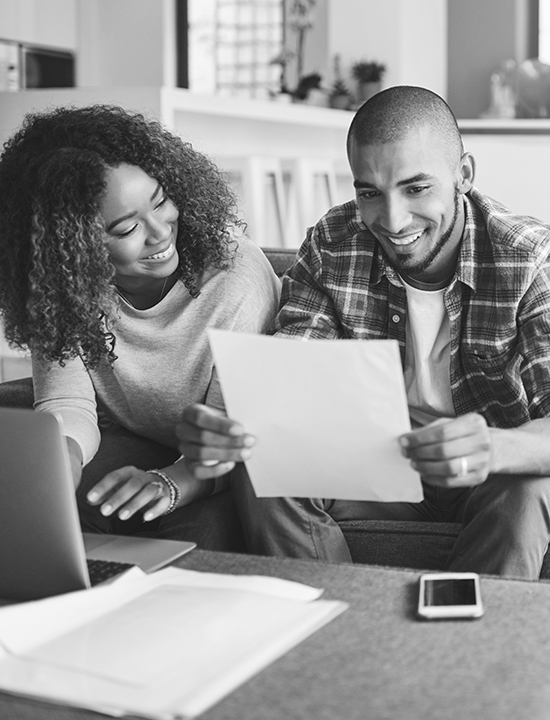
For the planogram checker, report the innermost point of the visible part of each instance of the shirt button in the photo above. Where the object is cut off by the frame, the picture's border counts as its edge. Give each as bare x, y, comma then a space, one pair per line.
395, 318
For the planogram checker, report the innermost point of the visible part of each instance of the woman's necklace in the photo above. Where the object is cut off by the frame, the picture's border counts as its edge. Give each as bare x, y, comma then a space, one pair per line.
123, 296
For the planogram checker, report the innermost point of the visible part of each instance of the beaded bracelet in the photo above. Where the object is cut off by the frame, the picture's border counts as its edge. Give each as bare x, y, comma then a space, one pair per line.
175, 492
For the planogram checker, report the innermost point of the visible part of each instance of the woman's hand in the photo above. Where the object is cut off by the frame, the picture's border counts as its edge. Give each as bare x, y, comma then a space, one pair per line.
211, 443
453, 452
129, 490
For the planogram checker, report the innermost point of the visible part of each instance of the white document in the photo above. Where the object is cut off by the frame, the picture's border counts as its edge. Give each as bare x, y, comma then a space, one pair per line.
326, 415
167, 645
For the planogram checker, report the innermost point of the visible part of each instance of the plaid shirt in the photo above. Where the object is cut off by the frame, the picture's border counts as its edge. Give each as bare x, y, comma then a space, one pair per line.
498, 304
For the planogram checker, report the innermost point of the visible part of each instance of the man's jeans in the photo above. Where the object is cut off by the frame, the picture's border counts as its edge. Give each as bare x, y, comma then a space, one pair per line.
506, 523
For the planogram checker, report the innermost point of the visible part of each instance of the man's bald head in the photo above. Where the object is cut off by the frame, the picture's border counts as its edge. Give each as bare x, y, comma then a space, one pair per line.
391, 114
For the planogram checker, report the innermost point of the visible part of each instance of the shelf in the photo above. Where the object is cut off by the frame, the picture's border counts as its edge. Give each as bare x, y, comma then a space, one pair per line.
502, 126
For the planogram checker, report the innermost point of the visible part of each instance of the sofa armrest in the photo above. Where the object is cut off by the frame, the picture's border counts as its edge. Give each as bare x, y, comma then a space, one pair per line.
17, 393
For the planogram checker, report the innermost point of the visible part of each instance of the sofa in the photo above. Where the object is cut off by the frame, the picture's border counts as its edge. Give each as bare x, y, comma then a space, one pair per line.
417, 545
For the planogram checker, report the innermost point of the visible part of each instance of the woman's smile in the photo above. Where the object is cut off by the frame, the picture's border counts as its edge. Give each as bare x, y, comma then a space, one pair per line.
161, 256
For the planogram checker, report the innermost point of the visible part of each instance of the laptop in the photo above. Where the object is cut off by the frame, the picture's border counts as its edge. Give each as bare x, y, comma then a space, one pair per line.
43, 551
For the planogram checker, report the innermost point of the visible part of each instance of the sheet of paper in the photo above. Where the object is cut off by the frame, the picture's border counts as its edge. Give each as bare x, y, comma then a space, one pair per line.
171, 648
170, 627
25, 626
326, 415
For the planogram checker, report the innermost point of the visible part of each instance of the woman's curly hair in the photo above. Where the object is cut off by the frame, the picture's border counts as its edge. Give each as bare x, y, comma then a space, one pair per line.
57, 293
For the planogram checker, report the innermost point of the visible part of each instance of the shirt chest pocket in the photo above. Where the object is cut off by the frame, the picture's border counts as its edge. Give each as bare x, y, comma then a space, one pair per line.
494, 378
498, 353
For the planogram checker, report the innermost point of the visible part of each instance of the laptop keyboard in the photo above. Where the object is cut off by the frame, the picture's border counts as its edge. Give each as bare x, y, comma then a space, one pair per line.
101, 570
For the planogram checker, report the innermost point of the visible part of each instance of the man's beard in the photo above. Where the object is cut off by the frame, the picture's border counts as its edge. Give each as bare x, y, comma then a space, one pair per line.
405, 264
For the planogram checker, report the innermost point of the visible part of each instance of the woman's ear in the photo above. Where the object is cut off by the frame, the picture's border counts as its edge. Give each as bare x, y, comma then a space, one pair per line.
467, 171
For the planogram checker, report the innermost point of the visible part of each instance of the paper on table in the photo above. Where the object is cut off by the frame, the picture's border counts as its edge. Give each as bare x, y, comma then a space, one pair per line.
25, 626
172, 650
170, 627
326, 415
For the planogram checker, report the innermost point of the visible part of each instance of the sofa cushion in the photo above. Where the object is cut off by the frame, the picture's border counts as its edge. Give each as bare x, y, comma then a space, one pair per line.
398, 543
17, 393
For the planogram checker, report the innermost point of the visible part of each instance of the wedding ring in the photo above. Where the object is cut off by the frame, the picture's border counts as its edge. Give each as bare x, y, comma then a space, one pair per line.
159, 485
463, 466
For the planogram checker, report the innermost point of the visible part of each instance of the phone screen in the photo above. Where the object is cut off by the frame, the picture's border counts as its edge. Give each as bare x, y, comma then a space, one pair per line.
449, 595
439, 592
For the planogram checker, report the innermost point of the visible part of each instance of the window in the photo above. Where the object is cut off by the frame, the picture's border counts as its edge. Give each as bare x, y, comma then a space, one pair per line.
231, 45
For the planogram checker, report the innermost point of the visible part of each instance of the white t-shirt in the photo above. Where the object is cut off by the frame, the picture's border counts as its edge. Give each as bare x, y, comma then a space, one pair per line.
427, 356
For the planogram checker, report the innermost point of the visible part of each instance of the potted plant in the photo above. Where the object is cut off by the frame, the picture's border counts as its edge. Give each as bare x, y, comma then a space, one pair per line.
282, 59
340, 96
309, 90
368, 75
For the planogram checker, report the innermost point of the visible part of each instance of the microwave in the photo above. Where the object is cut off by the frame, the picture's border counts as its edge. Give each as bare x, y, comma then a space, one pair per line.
24, 66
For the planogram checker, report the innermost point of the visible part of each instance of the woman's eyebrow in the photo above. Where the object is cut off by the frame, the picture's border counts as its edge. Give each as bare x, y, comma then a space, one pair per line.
113, 224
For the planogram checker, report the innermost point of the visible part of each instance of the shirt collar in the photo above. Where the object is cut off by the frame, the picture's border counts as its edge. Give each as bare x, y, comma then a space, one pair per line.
474, 227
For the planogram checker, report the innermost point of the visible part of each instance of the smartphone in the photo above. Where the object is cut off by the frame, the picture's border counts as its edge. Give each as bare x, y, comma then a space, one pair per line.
449, 595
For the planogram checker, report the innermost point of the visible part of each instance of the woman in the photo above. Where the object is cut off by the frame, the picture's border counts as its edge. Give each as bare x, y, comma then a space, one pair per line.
120, 245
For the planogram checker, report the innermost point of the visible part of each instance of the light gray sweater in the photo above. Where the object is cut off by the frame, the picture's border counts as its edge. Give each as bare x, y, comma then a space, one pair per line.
164, 360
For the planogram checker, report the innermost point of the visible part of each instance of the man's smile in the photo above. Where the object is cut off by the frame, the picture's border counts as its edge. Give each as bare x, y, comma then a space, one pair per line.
404, 240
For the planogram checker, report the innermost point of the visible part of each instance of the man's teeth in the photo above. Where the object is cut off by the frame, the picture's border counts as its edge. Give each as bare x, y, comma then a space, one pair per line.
407, 240
162, 255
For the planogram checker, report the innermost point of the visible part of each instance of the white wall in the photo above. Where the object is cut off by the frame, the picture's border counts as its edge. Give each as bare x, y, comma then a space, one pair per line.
410, 38
513, 170
126, 42
39, 22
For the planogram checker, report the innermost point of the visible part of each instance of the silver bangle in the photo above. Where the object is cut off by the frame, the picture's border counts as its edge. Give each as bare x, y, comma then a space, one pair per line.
173, 488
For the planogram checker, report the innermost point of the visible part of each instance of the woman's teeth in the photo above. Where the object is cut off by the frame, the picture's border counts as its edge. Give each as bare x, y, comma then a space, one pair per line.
162, 255
406, 240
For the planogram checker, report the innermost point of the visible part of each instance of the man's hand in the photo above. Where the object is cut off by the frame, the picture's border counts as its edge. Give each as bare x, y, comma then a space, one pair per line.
454, 452
211, 443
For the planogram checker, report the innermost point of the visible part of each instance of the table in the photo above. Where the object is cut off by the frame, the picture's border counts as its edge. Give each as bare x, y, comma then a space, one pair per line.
376, 661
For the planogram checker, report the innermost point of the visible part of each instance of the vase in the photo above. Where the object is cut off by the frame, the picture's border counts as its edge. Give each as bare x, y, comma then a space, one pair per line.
283, 97
317, 97
340, 102
365, 90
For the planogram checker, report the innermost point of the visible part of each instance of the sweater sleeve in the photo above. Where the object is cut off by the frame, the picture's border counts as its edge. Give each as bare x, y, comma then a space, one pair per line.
68, 393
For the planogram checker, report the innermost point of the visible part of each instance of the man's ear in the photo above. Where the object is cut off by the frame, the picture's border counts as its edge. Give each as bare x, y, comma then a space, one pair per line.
467, 171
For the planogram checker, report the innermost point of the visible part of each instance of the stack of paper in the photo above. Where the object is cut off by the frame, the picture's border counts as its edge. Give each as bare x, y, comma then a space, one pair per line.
165, 645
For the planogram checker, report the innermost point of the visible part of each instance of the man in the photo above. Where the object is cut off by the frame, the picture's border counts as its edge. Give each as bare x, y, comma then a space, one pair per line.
463, 285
